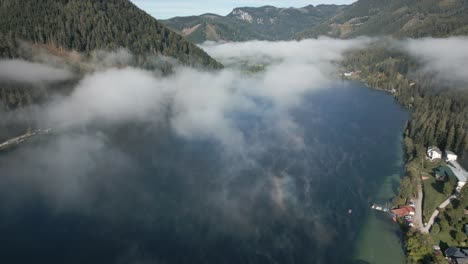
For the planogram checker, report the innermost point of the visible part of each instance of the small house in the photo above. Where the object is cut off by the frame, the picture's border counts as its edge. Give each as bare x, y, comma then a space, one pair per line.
403, 211
459, 172
457, 255
434, 153
450, 156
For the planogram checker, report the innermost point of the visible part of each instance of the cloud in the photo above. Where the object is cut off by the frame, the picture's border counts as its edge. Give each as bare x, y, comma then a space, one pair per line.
134, 148
112, 58
108, 96
293, 67
448, 57
85, 160
311, 51
203, 104
28, 72
117, 151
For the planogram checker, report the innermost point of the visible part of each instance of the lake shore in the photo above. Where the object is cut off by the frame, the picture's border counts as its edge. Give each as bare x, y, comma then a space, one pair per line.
411, 236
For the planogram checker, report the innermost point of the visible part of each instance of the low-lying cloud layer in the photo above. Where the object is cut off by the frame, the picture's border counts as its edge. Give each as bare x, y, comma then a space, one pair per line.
448, 57
321, 50
201, 103
28, 72
192, 104
198, 105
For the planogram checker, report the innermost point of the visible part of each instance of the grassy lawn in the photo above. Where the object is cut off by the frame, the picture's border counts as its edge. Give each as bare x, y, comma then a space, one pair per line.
433, 190
432, 196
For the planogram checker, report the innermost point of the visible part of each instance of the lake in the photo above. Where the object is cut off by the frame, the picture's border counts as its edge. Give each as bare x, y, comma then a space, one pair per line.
137, 193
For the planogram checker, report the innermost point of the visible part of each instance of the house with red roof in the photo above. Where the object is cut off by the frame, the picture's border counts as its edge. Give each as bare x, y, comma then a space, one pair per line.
403, 210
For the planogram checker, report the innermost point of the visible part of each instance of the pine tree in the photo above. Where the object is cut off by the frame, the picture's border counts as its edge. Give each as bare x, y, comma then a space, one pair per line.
450, 138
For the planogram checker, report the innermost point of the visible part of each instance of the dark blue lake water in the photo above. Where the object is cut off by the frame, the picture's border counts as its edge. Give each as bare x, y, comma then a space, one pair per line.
139, 194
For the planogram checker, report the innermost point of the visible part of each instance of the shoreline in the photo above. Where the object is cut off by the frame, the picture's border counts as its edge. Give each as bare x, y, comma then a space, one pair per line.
382, 238
409, 235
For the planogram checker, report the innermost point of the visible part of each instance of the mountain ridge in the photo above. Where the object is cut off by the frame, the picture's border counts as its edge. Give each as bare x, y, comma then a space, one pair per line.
246, 23
399, 18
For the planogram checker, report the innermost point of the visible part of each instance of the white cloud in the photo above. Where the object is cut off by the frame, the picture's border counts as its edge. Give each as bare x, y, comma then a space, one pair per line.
448, 58
109, 96
294, 67
202, 103
29, 72
190, 103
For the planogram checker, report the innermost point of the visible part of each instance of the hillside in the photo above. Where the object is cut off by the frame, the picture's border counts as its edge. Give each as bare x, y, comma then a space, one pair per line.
87, 25
246, 23
400, 18
77, 35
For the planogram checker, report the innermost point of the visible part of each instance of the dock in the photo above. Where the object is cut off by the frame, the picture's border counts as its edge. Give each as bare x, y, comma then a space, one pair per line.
19, 139
380, 208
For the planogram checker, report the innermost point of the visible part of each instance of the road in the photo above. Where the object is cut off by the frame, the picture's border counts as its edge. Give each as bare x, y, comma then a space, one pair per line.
418, 217
418, 220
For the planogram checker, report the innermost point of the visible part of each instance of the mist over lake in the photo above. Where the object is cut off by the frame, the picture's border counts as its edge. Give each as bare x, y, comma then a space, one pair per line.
142, 194
259, 133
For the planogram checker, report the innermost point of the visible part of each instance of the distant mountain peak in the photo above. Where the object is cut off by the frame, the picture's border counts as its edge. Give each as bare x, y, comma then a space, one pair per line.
242, 15
400, 18
246, 23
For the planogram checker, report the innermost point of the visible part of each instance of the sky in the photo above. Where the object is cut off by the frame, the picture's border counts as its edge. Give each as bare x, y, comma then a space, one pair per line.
161, 9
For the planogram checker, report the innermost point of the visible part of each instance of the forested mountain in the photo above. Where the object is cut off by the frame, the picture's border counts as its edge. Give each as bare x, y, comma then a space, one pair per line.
400, 18
72, 32
88, 25
246, 23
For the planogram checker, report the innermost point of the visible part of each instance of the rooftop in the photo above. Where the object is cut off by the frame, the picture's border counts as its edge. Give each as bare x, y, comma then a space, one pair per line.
434, 148
459, 254
458, 170
448, 152
403, 210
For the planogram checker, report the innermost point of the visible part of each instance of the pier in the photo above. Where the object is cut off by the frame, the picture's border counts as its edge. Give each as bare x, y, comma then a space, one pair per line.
382, 208
18, 140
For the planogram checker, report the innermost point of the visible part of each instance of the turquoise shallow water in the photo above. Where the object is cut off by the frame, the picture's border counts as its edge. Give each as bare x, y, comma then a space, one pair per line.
140, 194
380, 238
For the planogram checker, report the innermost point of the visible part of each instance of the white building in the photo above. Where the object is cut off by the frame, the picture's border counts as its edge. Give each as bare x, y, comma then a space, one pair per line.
434, 153
460, 173
450, 156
